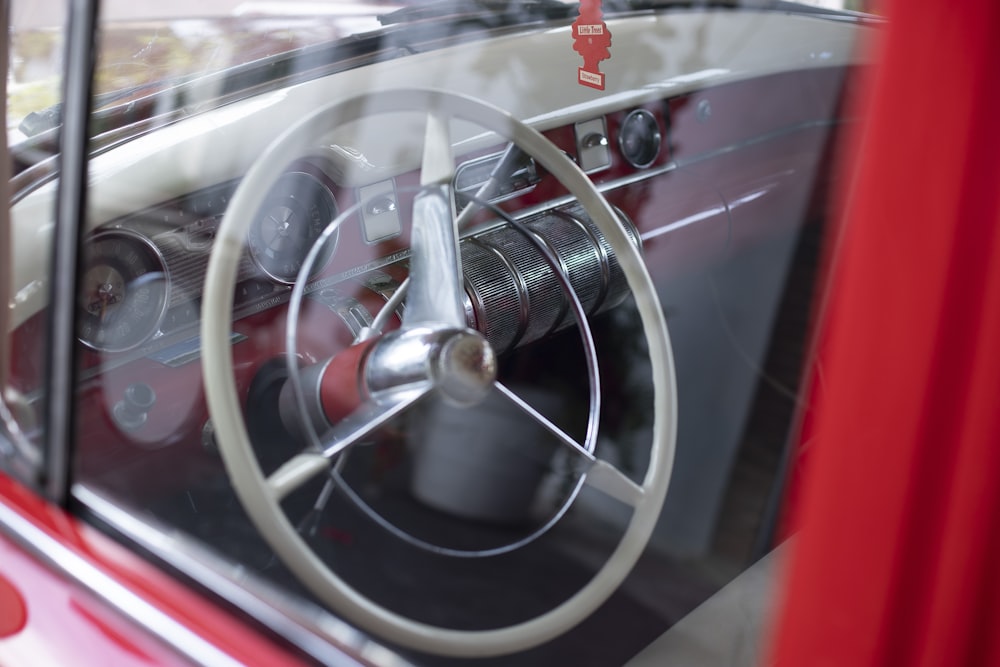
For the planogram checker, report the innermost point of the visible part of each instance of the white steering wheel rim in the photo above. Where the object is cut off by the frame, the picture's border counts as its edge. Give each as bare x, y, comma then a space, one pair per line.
234, 441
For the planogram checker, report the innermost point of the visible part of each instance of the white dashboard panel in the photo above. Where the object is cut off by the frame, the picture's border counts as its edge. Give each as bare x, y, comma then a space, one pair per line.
532, 75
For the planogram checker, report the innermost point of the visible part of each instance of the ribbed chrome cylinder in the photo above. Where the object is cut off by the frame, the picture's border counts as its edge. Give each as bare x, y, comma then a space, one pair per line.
515, 295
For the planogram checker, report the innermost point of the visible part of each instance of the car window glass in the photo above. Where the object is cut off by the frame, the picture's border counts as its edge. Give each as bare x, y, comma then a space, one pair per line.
33, 81
283, 374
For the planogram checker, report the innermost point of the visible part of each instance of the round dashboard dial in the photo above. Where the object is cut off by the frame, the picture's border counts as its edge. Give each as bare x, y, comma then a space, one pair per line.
639, 138
123, 292
292, 218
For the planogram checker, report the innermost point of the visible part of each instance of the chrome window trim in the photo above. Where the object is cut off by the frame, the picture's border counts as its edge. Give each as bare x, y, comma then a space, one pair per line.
80, 571
308, 627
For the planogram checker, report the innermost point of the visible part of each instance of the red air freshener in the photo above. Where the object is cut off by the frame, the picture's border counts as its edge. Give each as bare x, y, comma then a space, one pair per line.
591, 39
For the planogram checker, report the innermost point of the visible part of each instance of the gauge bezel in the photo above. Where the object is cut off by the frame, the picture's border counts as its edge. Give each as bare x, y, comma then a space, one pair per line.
156, 255
654, 139
323, 260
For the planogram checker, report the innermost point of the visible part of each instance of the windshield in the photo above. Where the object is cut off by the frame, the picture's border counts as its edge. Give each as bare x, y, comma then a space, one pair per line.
143, 50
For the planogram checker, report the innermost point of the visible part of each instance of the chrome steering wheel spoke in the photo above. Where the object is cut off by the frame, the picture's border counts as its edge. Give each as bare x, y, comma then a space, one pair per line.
435, 296
599, 474
347, 432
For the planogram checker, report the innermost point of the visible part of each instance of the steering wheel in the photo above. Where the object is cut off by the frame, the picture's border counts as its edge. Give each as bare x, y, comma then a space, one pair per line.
433, 351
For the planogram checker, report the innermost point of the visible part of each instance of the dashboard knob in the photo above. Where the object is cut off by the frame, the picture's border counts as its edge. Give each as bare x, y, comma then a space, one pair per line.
132, 411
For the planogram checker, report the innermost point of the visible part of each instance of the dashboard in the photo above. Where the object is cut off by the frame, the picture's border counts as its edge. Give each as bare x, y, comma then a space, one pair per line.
140, 306
144, 273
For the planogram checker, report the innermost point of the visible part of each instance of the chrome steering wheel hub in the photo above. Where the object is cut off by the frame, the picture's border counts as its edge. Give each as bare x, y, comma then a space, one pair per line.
459, 364
466, 368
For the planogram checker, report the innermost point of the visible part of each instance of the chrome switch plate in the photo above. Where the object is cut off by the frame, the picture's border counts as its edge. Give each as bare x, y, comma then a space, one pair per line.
379, 213
593, 149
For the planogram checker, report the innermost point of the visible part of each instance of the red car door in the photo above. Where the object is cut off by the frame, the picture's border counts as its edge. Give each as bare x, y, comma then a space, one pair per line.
896, 559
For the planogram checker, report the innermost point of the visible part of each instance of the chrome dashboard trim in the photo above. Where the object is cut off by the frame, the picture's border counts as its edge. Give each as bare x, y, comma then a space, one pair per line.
762, 138
529, 173
614, 184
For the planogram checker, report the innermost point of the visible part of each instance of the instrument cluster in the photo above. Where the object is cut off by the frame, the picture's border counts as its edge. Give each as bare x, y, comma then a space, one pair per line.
143, 276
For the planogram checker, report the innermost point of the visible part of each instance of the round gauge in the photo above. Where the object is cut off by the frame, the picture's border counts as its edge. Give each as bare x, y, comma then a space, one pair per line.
293, 216
639, 138
123, 292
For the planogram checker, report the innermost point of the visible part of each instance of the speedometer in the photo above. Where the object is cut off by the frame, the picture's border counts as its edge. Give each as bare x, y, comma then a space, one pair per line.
293, 217
123, 291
